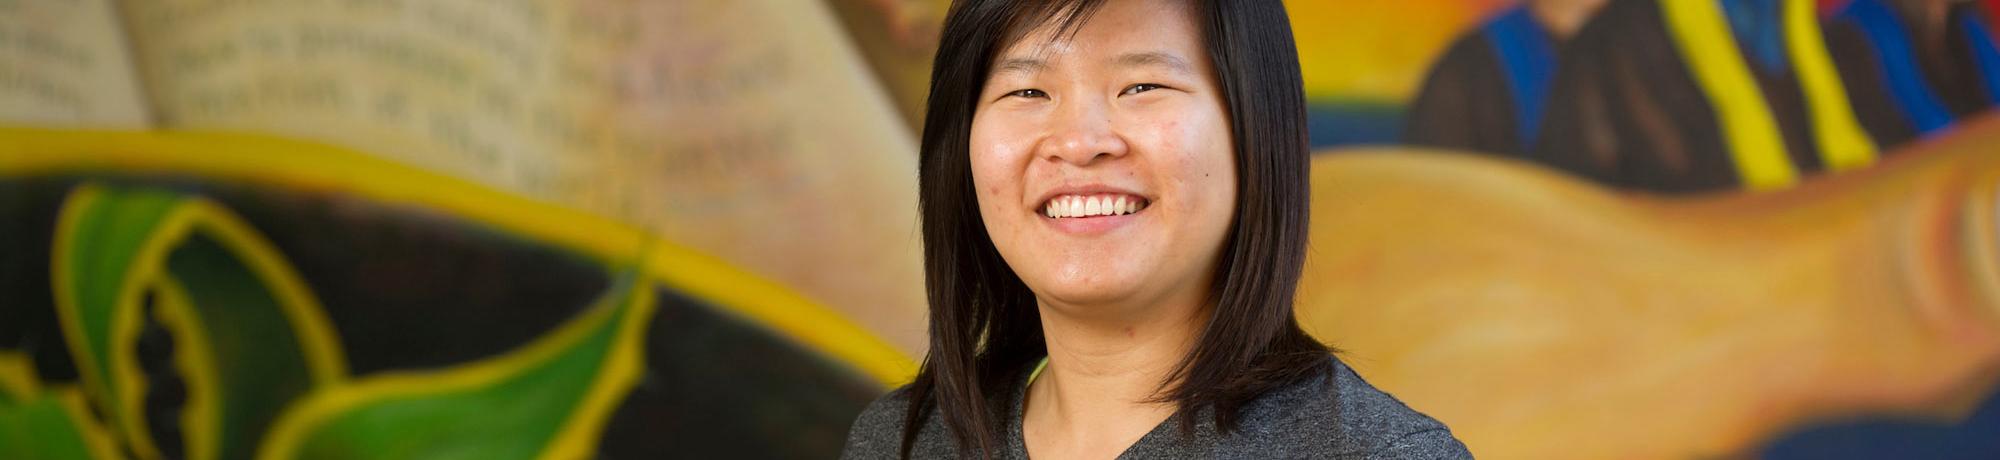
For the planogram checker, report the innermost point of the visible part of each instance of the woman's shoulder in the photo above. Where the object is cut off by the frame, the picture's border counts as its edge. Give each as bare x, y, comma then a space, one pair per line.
1337, 413
1333, 414
878, 431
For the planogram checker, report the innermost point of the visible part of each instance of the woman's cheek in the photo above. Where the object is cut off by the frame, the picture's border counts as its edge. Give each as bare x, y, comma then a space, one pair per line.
998, 172
1002, 139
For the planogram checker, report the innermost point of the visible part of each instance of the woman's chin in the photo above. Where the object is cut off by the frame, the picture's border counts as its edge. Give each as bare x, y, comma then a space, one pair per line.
1087, 299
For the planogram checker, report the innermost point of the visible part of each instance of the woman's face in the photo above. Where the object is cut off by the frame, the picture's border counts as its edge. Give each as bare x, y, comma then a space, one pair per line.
1104, 163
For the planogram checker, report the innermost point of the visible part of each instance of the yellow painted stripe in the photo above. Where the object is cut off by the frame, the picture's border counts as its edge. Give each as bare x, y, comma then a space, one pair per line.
200, 426
294, 164
17, 376
1747, 125
95, 436
622, 366
1842, 143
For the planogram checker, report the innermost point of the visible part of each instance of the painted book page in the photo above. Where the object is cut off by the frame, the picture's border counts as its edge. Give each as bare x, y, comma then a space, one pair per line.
748, 130
65, 64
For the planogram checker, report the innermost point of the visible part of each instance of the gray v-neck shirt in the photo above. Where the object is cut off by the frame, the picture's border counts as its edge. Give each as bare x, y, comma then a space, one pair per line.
1333, 415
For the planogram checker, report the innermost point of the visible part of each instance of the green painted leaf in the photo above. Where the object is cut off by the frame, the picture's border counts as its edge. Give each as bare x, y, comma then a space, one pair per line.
43, 427
547, 397
105, 243
249, 338
95, 261
233, 319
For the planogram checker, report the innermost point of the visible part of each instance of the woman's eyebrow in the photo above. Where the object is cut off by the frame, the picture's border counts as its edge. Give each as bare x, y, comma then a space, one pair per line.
1154, 59
1028, 66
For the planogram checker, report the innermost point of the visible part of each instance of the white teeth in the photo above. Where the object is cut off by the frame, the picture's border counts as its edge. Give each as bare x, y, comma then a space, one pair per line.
1085, 206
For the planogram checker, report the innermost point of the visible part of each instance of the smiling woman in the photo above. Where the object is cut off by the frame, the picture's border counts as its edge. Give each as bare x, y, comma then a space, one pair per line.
1114, 204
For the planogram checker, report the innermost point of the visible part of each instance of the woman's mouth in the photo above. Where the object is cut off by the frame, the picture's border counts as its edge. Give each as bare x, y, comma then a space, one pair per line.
1093, 205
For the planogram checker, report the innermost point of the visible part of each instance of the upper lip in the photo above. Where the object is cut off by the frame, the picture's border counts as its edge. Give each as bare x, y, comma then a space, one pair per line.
1085, 189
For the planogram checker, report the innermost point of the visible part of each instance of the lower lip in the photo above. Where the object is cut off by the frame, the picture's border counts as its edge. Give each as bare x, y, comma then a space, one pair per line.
1090, 225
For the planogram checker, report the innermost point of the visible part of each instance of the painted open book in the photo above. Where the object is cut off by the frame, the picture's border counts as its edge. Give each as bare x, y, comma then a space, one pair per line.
608, 228
391, 229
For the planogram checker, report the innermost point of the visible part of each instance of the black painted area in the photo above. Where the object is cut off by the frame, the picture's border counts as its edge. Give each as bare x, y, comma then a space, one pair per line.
28, 324
717, 386
413, 289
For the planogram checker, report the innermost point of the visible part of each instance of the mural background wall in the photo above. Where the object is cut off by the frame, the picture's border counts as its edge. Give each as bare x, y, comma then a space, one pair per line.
558, 229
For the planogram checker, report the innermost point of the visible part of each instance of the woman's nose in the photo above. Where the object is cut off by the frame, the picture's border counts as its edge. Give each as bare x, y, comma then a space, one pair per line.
1082, 134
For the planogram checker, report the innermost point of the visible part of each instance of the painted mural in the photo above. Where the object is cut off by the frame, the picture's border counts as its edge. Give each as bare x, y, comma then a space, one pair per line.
605, 229
189, 296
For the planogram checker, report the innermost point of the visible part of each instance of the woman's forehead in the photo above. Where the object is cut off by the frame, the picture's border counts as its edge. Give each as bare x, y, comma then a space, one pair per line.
1131, 33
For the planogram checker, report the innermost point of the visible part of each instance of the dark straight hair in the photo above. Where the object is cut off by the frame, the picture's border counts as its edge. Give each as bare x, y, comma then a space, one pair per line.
984, 326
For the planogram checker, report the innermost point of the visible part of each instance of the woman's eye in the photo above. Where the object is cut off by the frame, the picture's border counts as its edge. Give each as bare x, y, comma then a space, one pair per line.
1140, 88
1028, 93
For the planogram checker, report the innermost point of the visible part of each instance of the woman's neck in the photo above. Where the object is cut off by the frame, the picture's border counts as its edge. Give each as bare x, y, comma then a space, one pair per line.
1097, 394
